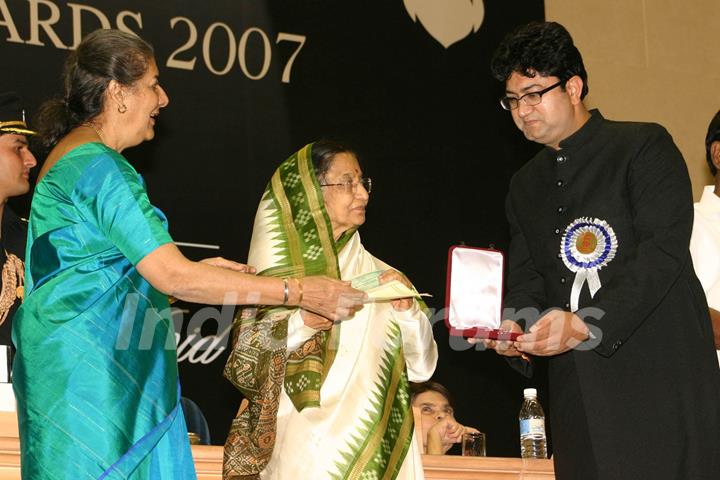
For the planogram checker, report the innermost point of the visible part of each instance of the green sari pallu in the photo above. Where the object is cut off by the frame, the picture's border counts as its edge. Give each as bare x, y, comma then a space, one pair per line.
293, 238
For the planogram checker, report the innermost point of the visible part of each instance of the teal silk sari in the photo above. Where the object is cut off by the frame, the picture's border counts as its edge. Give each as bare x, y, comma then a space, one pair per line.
95, 375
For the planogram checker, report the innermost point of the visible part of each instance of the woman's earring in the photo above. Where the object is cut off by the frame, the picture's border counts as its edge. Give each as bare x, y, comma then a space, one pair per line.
122, 109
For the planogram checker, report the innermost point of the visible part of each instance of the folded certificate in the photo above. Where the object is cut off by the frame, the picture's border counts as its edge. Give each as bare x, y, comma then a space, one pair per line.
377, 292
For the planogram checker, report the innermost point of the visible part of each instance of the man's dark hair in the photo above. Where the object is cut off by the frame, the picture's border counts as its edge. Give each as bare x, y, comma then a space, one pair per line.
713, 135
429, 386
544, 48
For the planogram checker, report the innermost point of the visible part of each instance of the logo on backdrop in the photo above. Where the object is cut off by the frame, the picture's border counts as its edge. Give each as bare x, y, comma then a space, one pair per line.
244, 47
447, 21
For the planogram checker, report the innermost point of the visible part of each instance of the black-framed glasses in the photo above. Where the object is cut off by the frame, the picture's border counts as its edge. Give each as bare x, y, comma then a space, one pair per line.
351, 187
530, 99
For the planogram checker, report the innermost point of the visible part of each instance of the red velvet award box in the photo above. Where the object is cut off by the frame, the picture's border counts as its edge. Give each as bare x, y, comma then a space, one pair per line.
473, 299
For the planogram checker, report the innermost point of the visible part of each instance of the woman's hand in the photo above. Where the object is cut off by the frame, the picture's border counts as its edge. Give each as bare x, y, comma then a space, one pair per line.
444, 434
401, 304
228, 264
313, 320
329, 298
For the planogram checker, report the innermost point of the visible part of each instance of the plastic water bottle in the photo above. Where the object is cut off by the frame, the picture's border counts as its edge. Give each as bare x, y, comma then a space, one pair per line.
532, 427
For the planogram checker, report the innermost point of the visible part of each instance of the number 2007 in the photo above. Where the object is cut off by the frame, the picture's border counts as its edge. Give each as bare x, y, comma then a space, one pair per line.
235, 49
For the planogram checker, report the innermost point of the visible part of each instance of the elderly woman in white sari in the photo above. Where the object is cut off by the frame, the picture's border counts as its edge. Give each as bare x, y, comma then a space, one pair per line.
325, 400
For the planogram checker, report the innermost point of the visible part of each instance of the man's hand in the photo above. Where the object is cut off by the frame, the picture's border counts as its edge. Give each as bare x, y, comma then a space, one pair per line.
715, 317
555, 333
502, 347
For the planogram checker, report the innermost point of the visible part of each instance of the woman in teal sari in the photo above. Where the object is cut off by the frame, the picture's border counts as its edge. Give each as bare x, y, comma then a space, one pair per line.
95, 374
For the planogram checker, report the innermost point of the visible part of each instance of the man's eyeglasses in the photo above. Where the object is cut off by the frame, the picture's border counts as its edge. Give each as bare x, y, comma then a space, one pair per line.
530, 99
351, 187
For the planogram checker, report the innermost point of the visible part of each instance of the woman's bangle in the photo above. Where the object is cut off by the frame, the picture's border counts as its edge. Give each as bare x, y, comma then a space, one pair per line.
286, 291
300, 287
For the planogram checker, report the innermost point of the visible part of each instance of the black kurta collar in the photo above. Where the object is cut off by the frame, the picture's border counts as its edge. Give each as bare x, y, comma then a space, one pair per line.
585, 133
576, 141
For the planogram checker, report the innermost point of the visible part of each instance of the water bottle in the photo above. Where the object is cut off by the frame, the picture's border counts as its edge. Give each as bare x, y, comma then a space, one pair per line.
532, 427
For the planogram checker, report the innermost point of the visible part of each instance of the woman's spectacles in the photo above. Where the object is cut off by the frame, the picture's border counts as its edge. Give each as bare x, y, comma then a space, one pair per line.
530, 99
351, 187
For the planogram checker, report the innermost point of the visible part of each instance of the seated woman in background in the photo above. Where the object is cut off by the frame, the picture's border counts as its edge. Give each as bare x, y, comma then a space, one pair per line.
326, 400
432, 403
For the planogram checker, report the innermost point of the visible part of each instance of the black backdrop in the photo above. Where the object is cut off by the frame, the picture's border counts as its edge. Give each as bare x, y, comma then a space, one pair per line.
424, 119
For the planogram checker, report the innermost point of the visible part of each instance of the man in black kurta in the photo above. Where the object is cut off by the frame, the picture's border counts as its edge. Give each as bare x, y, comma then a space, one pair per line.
600, 222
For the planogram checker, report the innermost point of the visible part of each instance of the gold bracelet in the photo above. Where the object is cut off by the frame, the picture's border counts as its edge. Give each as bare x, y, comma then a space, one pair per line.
299, 280
286, 291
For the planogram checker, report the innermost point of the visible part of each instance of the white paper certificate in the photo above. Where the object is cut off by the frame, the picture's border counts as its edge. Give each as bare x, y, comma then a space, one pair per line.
377, 292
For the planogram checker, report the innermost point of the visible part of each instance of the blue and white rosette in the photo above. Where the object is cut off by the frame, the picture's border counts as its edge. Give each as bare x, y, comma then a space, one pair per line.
586, 247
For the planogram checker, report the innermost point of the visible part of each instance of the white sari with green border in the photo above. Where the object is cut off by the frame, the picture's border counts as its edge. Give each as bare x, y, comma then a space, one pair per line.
361, 427
333, 404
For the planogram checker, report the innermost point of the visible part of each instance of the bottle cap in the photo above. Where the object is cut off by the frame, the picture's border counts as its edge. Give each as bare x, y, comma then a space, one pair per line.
530, 392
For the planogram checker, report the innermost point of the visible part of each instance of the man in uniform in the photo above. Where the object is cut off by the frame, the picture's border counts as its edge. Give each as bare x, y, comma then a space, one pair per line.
16, 161
600, 221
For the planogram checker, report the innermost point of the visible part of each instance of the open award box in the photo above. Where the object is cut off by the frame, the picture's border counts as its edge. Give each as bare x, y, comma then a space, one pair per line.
473, 299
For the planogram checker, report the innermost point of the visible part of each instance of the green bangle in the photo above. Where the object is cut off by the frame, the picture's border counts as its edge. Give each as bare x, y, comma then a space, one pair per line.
286, 291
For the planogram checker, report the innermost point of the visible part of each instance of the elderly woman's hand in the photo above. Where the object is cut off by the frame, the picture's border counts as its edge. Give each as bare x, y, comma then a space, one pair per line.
401, 304
228, 264
330, 298
313, 320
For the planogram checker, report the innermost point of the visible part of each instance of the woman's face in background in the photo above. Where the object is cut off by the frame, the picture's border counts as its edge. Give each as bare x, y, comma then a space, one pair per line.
433, 407
345, 203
